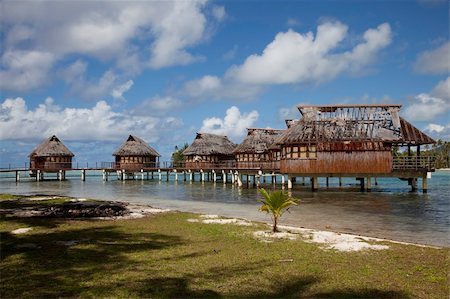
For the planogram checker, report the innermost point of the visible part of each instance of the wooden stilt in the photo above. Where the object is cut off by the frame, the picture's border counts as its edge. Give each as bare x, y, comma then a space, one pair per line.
425, 183
369, 184
314, 183
290, 179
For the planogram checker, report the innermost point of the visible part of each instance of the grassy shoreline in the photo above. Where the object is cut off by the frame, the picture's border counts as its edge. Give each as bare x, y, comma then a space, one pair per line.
165, 255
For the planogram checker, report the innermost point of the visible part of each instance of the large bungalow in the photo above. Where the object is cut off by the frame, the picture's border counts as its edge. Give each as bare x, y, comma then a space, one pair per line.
350, 140
209, 151
135, 154
51, 155
256, 151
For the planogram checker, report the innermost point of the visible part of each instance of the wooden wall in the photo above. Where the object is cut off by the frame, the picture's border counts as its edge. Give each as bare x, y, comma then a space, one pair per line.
135, 162
51, 163
340, 162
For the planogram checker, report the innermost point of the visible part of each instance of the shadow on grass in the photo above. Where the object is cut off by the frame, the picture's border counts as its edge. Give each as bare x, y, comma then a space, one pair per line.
52, 268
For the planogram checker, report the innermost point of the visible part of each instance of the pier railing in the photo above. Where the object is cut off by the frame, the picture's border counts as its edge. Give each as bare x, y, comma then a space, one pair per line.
413, 163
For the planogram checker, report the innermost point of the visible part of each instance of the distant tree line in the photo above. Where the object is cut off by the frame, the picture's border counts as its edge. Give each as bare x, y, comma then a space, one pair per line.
440, 150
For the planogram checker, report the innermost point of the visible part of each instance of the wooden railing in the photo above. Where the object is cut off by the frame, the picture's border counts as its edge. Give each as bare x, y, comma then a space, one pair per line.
413, 163
52, 165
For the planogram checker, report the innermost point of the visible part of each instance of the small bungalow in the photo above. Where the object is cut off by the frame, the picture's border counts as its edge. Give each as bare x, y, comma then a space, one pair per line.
354, 140
209, 151
134, 154
256, 151
51, 155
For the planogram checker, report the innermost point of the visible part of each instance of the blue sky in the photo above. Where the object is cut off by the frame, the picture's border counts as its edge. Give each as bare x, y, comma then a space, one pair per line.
94, 72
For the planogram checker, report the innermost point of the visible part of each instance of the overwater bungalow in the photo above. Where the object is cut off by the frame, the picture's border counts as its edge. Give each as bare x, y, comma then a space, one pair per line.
209, 151
135, 154
351, 140
51, 155
256, 151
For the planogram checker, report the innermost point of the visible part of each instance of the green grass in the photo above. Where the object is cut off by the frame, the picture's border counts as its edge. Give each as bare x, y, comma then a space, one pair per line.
167, 256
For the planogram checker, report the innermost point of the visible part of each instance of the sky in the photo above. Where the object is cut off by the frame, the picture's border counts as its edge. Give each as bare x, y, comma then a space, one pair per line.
93, 72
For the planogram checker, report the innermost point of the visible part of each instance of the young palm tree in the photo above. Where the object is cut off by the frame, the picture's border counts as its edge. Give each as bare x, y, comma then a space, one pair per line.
275, 203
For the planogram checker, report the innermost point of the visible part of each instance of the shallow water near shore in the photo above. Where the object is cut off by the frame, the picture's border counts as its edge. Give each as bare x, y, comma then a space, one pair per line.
390, 211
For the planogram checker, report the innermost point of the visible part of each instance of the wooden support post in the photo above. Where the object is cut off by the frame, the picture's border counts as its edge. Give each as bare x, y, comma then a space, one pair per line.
38, 175
214, 176
83, 175
361, 181
314, 183
123, 175
224, 176
273, 178
340, 181
184, 176
208, 177
176, 175
282, 180
202, 175
258, 182
167, 176
17, 176
376, 181
104, 175
290, 179
327, 182
413, 184
60, 175
239, 179
142, 174
159, 175
247, 181
152, 174
303, 181
190, 175
425, 183
369, 184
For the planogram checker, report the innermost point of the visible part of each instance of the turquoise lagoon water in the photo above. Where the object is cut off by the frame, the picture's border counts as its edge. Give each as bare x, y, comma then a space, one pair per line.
390, 211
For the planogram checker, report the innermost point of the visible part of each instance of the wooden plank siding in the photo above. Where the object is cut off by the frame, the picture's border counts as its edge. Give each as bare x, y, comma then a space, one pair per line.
340, 162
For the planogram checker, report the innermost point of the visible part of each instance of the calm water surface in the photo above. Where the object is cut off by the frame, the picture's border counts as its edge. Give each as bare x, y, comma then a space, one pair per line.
389, 211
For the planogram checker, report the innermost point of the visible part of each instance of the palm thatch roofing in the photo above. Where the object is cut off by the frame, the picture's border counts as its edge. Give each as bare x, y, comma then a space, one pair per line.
135, 146
362, 123
258, 141
210, 144
51, 147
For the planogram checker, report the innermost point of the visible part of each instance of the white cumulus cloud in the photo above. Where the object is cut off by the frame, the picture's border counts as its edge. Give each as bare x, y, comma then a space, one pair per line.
117, 92
435, 61
134, 35
18, 122
293, 58
25, 70
233, 125
429, 106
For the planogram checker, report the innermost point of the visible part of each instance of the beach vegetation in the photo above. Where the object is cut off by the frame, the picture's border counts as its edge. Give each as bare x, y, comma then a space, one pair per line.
167, 256
276, 203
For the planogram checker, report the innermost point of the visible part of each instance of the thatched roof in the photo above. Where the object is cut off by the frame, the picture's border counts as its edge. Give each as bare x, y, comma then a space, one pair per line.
135, 146
51, 146
352, 123
258, 141
210, 144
